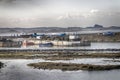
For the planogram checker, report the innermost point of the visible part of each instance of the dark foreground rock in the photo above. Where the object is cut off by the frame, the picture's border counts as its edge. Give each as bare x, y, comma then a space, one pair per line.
72, 66
1, 65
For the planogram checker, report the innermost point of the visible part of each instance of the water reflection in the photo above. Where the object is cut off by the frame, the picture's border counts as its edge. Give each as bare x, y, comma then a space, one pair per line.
95, 45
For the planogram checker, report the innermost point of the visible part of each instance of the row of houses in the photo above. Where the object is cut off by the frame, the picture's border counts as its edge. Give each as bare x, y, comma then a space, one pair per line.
51, 39
52, 36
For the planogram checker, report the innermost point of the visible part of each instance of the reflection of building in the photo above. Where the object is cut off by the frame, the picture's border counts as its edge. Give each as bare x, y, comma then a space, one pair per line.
9, 43
1, 44
25, 43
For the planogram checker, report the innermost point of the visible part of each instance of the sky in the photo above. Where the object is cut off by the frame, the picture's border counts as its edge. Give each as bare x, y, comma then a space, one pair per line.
59, 13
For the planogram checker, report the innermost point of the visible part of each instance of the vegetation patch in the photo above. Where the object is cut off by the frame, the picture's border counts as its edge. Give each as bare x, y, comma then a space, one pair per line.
72, 66
85, 55
57, 55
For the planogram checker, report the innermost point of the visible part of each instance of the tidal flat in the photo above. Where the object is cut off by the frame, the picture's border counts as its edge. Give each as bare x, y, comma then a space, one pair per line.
72, 66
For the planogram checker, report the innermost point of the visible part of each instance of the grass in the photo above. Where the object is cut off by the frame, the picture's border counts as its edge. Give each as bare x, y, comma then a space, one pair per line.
93, 55
57, 55
72, 66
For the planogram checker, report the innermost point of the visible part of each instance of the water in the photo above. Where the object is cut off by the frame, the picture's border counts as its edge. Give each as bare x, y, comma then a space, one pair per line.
94, 45
16, 69
105, 45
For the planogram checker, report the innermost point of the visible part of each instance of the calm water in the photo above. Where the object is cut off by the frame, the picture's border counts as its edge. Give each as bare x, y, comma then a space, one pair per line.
17, 70
104, 45
95, 45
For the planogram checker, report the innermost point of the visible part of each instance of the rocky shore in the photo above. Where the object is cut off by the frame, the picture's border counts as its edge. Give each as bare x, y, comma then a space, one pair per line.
1, 65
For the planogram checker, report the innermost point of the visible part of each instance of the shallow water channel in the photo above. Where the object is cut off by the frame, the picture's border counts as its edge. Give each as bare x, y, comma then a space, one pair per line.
17, 69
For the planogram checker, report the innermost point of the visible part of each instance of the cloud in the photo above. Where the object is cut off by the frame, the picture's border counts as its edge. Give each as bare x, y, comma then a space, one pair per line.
88, 19
94, 11
58, 13
21, 3
67, 20
66, 16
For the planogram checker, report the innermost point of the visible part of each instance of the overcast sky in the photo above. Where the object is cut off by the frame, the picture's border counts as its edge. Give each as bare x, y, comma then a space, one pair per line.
63, 13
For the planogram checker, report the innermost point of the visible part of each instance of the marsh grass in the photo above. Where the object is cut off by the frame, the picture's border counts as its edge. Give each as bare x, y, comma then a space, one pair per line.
57, 55
72, 66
